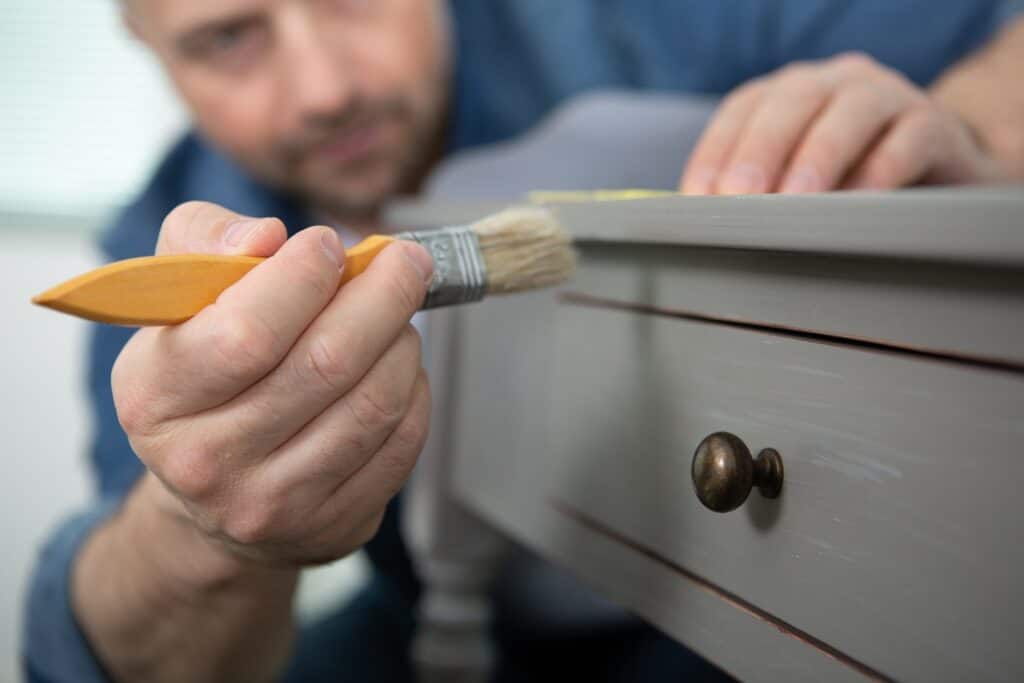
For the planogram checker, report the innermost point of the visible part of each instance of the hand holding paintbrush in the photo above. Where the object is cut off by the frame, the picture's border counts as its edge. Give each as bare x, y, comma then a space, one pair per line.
283, 414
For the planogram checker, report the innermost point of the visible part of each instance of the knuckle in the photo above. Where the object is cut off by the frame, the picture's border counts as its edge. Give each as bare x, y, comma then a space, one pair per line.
799, 87
250, 522
861, 93
856, 61
244, 346
328, 366
194, 473
376, 409
356, 441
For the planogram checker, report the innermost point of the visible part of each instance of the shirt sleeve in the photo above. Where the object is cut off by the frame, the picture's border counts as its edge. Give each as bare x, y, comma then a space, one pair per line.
56, 650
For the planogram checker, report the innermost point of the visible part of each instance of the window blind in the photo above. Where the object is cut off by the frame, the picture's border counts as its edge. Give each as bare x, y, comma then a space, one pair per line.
86, 111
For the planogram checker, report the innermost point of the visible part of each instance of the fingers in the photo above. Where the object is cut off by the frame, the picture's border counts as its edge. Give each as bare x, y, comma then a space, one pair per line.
382, 477
806, 126
904, 154
719, 138
292, 369
264, 516
841, 135
312, 450
361, 322
167, 373
773, 130
334, 353
366, 493
343, 438
204, 228
316, 462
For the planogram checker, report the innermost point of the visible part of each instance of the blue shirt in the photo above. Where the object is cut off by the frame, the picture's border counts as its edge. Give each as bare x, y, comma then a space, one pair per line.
515, 60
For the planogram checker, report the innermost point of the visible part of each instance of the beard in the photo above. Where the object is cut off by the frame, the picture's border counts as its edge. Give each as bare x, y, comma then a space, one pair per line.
350, 162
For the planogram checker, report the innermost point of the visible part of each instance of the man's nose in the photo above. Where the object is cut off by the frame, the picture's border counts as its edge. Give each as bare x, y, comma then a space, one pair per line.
319, 82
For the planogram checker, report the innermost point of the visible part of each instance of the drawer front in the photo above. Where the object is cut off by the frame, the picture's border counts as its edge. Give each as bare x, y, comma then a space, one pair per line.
908, 305
896, 540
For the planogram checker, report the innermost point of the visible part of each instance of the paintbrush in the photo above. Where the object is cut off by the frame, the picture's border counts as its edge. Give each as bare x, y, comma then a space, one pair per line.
518, 249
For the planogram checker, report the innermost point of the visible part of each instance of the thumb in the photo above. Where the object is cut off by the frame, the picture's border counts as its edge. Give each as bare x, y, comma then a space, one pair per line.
205, 228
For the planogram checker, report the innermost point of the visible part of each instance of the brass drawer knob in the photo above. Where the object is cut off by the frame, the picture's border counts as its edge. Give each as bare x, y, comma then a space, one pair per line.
723, 472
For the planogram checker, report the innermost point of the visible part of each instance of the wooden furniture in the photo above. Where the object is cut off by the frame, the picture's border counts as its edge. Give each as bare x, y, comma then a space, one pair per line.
876, 341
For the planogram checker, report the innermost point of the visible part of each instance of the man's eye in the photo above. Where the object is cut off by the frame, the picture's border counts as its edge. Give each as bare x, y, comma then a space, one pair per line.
228, 37
230, 44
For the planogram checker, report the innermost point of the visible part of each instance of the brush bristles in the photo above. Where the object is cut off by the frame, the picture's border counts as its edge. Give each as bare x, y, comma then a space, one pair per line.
524, 248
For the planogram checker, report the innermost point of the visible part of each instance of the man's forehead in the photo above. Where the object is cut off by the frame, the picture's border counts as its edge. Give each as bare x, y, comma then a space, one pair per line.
178, 16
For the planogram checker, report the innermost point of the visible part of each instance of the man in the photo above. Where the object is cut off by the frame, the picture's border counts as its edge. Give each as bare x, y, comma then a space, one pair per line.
270, 432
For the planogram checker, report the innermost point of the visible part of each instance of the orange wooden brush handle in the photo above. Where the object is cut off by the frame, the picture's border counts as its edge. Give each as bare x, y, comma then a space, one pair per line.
358, 258
166, 290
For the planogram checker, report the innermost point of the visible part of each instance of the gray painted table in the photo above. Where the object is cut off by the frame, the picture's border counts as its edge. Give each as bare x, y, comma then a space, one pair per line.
875, 340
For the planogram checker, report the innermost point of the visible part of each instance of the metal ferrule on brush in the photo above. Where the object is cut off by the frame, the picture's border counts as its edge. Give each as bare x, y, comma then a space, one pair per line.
460, 275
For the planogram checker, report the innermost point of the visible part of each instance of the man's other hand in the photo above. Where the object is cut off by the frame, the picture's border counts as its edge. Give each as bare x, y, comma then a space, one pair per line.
846, 122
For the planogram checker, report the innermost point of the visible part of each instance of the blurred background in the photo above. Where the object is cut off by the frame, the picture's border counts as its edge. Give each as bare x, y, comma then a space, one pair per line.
86, 116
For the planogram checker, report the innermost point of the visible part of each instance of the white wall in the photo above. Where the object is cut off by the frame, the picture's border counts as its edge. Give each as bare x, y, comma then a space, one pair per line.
86, 110
42, 416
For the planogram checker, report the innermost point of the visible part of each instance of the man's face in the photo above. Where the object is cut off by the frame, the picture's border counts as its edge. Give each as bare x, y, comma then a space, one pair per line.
339, 101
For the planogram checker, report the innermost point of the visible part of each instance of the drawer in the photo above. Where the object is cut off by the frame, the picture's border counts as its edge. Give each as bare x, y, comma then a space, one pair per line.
896, 541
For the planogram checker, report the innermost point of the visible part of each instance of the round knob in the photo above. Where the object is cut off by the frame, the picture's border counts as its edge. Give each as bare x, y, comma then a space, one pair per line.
724, 472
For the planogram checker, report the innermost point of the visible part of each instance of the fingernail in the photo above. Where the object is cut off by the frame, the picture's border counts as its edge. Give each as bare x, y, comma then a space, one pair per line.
743, 178
420, 259
240, 229
332, 247
803, 179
